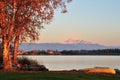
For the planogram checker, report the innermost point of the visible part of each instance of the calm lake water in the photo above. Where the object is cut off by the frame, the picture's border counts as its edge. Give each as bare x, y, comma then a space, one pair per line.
77, 62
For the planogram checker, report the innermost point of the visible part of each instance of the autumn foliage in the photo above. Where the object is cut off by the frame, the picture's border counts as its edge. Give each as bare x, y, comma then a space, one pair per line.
21, 20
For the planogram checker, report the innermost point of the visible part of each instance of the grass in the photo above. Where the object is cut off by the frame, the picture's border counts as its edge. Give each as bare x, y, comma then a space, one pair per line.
55, 76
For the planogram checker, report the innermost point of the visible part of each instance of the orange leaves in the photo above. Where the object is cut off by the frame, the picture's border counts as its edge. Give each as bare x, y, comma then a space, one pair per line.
1, 5
24, 18
29, 15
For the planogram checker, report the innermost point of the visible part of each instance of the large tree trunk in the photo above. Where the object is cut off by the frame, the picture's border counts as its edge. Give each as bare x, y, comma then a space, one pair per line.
6, 56
16, 43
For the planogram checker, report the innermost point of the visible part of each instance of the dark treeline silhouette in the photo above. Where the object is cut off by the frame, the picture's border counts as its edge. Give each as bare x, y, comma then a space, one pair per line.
92, 52
75, 52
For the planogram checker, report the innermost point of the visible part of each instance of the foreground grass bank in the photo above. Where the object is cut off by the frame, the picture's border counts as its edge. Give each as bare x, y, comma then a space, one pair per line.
55, 76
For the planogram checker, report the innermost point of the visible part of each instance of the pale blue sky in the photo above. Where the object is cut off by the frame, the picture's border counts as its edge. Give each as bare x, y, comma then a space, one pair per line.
96, 21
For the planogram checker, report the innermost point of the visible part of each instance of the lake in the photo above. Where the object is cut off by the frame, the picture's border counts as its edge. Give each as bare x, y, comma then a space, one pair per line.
60, 62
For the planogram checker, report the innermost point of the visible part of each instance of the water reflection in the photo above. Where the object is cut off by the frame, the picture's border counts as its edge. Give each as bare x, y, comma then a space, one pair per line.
77, 62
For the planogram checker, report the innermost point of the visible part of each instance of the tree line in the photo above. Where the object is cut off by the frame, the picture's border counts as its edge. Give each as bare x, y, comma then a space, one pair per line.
92, 52
76, 52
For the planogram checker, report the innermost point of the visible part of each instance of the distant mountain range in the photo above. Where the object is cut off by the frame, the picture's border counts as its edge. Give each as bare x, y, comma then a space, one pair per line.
80, 45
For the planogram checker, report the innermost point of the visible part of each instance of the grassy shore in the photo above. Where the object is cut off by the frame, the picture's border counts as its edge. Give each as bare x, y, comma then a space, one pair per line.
61, 75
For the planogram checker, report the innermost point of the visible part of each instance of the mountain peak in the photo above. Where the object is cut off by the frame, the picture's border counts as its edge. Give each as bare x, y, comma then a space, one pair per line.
76, 41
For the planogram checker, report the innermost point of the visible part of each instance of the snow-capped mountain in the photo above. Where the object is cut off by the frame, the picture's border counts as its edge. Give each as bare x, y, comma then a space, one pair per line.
76, 41
74, 45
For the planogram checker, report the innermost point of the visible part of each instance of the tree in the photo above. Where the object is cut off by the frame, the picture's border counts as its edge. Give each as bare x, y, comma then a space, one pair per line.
20, 20
7, 25
43, 14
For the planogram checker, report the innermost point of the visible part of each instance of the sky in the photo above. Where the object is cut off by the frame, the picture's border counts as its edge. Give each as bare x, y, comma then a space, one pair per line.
96, 21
